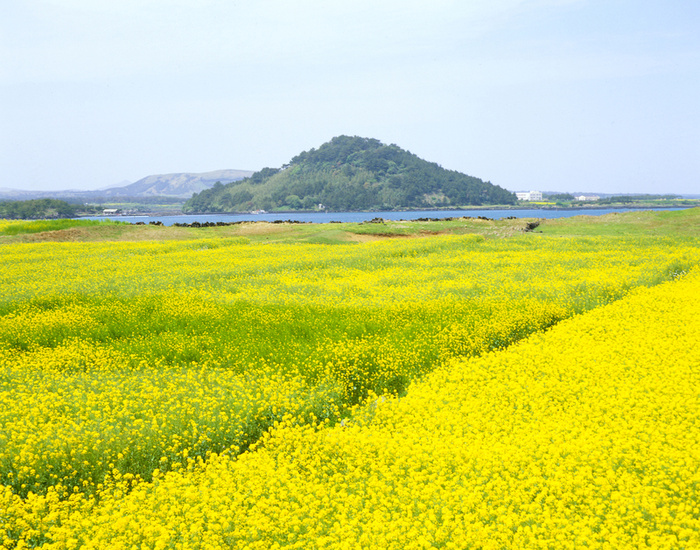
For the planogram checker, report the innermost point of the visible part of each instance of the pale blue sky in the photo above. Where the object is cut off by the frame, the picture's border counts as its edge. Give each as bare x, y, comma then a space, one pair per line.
570, 95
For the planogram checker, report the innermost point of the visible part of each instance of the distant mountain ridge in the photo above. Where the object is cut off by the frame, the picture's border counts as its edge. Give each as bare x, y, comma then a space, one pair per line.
350, 173
181, 185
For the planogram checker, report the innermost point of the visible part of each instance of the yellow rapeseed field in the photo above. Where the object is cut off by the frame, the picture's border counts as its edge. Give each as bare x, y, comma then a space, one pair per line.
217, 393
584, 436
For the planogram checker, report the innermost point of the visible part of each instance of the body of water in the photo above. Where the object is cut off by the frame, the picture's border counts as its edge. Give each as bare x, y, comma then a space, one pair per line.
328, 217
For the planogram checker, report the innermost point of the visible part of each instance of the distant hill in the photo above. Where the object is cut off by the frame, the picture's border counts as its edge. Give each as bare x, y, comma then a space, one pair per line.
182, 185
9, 194
350, 173
175, 186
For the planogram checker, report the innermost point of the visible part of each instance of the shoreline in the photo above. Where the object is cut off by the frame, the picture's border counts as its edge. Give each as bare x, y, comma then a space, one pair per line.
341, 212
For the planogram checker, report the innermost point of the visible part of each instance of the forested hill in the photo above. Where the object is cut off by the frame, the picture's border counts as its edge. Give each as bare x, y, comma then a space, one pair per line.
350, 173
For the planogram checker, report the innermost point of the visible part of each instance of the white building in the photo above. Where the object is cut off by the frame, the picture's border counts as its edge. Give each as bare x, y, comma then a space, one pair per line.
587, 198
530, 196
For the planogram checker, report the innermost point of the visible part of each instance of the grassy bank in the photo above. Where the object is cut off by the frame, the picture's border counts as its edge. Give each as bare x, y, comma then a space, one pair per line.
651, 223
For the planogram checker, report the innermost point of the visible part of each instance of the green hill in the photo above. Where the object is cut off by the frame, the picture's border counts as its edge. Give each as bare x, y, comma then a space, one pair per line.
350, 173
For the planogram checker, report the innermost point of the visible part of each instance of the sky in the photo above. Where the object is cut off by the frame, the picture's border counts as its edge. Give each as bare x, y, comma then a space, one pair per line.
550, 95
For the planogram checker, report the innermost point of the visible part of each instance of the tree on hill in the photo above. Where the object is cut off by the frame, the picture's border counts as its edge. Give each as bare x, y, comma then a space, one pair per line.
351, 173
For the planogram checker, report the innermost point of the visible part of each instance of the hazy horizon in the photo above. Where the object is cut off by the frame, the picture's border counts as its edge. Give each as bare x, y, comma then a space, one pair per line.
552, 95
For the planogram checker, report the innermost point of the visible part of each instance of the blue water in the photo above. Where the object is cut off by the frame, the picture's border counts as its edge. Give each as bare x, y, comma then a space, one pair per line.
327, 217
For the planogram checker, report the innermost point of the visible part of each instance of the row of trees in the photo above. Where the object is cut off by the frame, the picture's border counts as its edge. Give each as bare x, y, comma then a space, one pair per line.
627, 199
37, 209
615, 199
